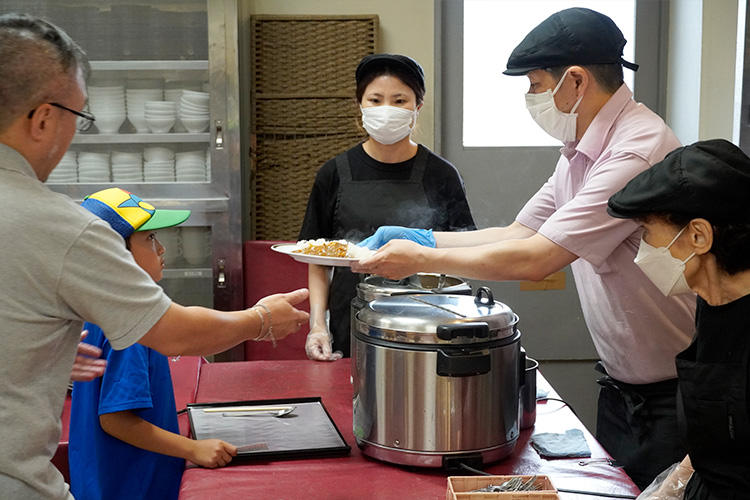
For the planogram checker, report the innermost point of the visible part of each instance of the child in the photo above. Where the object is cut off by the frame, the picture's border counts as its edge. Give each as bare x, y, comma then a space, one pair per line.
124, 436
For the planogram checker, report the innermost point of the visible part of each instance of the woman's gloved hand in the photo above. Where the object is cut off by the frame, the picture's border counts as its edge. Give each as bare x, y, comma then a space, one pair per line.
670, 484
318, 346
384, 234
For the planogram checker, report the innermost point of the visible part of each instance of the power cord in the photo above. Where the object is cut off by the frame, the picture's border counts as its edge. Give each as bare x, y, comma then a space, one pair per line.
561, 401
577, 492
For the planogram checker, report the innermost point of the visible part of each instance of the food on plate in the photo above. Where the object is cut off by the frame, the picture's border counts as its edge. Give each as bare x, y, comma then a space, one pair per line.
332, 248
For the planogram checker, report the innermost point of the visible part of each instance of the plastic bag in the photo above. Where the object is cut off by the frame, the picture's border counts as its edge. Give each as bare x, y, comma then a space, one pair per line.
669, 485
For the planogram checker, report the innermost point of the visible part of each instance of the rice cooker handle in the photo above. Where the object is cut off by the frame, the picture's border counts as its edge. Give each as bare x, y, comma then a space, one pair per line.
477, 329
463, 363
489, 298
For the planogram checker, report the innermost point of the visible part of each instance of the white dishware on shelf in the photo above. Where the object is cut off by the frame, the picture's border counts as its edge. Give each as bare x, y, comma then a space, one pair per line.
194, 111
109, 122
160, 124
175, 95
107, 104
154, 153
171, 240
158, 170
127, 167
66, 172
135, 99
194, 125
196, 98
196, 244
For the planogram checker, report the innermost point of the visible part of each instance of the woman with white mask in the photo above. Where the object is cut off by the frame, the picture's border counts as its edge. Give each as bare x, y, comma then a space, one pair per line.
695, 213
386, 180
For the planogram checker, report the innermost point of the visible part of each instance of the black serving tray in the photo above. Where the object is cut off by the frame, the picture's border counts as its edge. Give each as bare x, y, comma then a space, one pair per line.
308, 431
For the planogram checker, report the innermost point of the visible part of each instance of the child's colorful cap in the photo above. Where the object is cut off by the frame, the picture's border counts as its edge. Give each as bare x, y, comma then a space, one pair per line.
127, 213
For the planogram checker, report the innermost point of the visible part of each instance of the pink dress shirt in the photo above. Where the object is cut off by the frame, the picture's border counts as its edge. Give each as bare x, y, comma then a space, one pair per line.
637, 331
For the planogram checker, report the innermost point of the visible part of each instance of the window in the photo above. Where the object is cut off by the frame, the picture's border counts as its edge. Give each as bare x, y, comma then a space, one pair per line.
494, 108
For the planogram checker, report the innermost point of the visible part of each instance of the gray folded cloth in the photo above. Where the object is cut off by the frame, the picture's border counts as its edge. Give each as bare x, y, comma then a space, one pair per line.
552, 445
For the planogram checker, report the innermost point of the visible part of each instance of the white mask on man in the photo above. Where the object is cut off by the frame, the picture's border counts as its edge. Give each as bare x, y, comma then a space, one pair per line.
664, 270
388, 124
542, 107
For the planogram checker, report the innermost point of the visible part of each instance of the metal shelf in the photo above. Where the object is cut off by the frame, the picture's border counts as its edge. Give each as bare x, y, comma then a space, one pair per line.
140, 138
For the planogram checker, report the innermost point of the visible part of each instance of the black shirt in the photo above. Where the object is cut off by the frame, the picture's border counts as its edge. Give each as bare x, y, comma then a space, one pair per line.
442, 183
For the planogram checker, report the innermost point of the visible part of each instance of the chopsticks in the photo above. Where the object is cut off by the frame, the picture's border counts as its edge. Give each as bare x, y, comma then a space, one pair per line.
245, 408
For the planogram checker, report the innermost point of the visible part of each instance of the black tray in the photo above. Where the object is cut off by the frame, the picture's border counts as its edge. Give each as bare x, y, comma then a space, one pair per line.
308, 431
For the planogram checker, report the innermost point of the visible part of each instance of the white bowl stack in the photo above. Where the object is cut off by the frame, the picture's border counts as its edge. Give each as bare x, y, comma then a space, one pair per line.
66, 172
107, 104
136, 111
158, 164
127, 167
160, 115
93, 167
190, 166
175, 95
194, 110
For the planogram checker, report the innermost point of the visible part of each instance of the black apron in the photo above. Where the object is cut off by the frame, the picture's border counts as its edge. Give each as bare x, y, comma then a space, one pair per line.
362, 207
712, 411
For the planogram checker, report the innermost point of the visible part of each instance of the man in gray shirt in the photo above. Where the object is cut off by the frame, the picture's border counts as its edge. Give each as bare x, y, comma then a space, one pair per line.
60, 265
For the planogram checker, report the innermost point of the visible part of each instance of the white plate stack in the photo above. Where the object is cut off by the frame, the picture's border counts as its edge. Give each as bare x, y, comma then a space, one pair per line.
127, 167
107, 104
160, 115
190, 166
194, 110
66, 172
158, 164
93, 167
136, 112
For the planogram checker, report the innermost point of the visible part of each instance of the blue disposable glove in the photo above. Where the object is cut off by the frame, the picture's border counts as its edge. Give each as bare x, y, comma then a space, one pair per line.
384, 234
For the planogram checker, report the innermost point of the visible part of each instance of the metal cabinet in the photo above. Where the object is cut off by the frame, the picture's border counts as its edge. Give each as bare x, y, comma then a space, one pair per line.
152, 61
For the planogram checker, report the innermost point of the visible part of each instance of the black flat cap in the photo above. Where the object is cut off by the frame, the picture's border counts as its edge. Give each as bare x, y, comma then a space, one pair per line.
569, 37
708, 180
375, 62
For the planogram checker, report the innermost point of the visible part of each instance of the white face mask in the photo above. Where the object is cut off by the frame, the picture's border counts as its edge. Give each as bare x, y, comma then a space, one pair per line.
666, 271
388, 124
542, 107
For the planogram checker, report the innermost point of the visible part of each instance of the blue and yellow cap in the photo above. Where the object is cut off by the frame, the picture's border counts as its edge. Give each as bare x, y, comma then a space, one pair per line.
127, 213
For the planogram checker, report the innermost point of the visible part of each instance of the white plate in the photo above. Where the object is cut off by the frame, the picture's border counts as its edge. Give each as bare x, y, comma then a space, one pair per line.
321, 260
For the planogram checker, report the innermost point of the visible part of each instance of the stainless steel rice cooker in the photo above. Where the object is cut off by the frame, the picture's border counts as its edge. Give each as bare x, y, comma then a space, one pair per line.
436, 379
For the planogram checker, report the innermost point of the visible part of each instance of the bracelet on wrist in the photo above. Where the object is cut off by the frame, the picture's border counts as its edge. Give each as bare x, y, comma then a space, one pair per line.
269, 333
262, 324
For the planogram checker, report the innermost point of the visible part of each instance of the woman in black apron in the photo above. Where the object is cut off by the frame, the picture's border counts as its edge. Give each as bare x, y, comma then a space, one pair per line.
386, 180
696, 217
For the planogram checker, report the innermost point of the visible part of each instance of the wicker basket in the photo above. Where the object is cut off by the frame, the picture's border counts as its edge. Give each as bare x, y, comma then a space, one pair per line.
309, 55
464, 488
303, 111
306, 116
284, 174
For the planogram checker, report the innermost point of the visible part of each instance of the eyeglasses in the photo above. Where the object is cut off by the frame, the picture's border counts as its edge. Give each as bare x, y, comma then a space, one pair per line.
83, 122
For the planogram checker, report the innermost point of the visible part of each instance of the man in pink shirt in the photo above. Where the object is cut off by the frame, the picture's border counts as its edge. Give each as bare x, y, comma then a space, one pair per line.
573, 61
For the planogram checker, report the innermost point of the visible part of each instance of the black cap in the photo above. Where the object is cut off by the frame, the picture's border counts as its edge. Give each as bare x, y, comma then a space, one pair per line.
708, 180
375, 62
571, 36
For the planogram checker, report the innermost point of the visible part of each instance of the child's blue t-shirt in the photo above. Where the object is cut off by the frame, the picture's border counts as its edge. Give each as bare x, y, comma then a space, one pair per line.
102, 466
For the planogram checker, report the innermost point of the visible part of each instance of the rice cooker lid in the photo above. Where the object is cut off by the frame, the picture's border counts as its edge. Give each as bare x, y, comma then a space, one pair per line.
375, 287
437, 318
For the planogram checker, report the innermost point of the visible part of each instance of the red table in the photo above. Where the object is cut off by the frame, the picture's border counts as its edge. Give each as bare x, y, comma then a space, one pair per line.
357, 476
